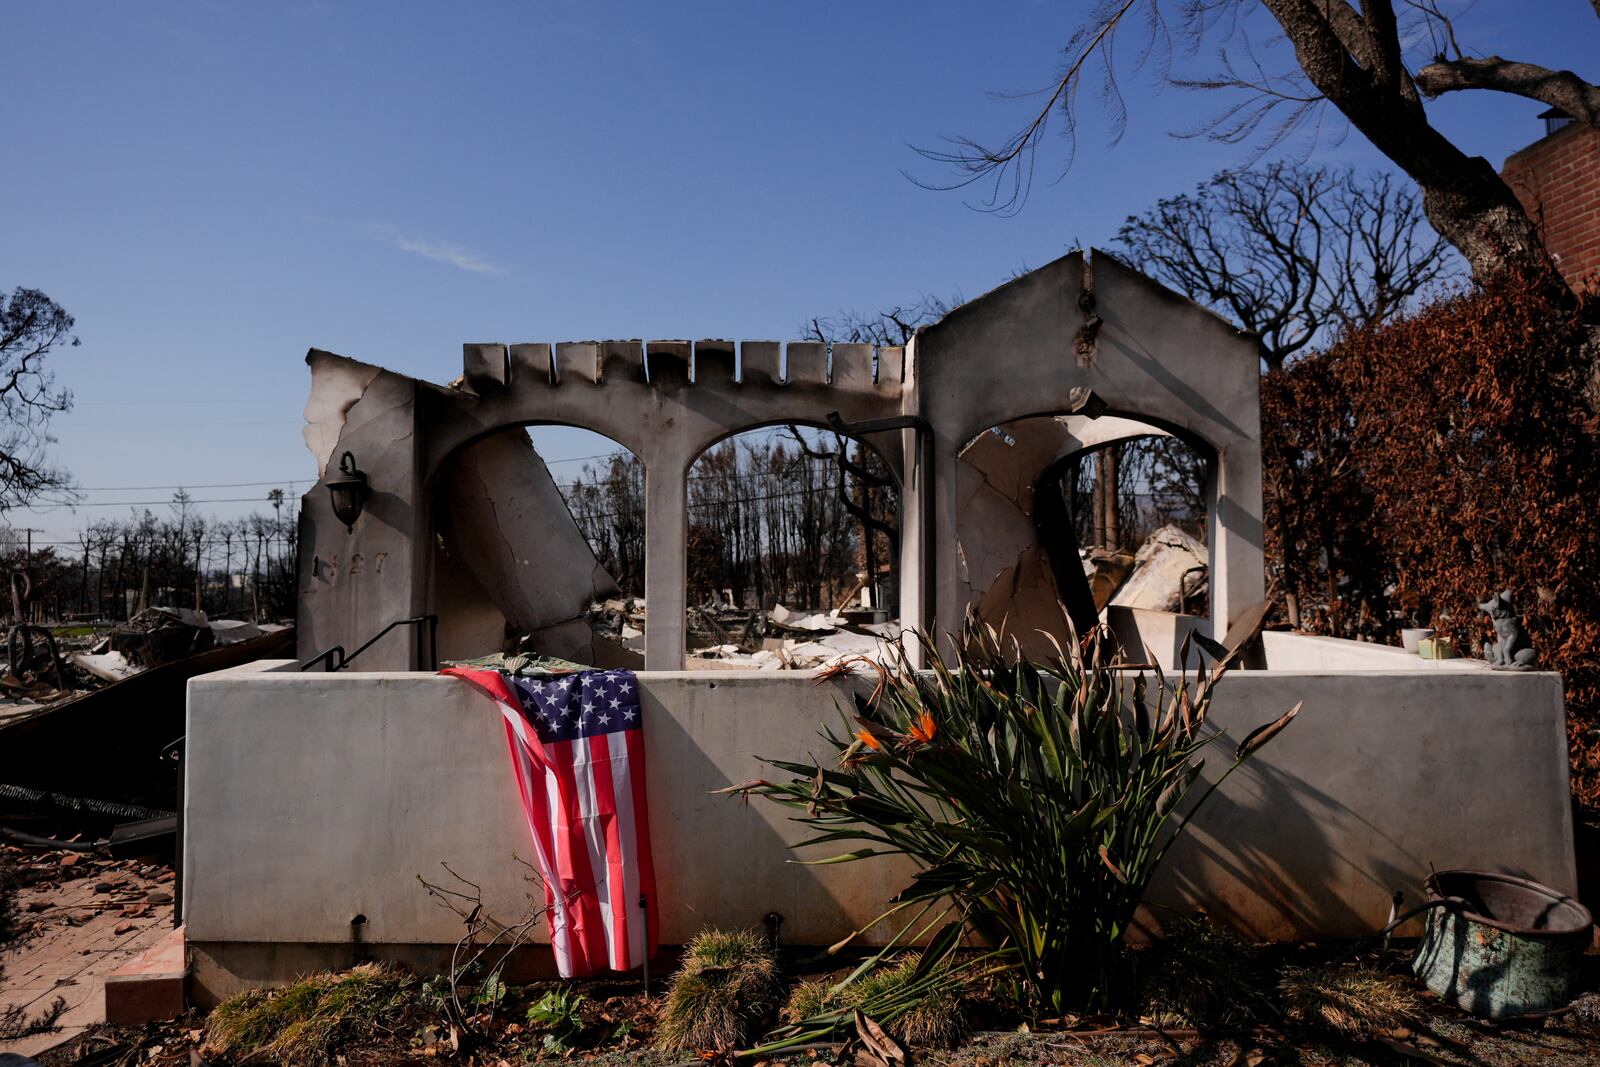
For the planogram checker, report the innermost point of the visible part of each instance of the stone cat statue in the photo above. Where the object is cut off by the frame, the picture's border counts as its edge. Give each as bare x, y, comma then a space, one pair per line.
1511, 648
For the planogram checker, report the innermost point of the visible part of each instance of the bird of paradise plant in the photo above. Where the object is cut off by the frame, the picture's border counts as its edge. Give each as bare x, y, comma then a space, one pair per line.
1037, 799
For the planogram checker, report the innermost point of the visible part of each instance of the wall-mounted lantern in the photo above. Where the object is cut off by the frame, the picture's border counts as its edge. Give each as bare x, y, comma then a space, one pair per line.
349, 491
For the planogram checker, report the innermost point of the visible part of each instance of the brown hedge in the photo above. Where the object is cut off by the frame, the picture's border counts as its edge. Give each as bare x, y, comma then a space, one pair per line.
1414, 468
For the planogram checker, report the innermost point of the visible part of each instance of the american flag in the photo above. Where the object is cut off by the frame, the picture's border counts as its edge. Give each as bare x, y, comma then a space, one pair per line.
577, 748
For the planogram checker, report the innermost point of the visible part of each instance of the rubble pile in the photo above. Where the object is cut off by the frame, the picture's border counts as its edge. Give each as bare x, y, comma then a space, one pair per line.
90, 714
129, 889
27, 686
149, 639
621, 620
730, 638
159, 635
1168, 574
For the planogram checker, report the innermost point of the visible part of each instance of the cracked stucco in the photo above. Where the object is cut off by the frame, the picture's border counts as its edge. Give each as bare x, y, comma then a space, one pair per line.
337, 384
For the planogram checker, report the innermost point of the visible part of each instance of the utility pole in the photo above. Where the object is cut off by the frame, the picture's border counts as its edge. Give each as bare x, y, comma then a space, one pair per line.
26, 562
30, 531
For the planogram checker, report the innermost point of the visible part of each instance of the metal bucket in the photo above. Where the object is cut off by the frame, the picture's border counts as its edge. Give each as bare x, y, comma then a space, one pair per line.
1501, 946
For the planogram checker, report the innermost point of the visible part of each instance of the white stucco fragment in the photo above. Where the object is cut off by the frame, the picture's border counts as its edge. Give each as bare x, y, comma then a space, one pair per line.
1157, 579
505, 521
336, 384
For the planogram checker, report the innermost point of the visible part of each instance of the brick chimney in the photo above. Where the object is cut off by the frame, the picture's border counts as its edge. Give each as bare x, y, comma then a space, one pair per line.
1557, 178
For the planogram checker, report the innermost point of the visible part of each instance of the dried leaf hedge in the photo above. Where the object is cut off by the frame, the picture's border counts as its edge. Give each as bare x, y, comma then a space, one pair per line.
1414, 468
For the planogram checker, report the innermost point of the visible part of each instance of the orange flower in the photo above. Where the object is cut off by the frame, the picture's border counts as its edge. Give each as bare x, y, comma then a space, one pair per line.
924, 729
866, 738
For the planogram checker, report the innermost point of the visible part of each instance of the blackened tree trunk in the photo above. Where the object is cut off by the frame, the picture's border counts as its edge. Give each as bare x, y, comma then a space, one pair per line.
1354, 61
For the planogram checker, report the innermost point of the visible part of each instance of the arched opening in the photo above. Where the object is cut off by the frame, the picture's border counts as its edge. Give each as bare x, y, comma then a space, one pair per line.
793, 549
1070, 517
539, 547
603, 485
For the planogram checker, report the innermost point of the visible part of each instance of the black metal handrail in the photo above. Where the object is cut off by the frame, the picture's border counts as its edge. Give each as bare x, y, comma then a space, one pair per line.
337, 660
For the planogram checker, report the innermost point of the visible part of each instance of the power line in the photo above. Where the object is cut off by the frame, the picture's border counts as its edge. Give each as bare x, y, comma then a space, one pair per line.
145, 503
145, 403
200, 425
826, 491
580, 459
763, 431
188, 485
209, 541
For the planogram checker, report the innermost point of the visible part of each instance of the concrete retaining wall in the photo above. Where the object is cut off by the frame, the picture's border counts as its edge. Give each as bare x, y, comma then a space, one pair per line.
314, 798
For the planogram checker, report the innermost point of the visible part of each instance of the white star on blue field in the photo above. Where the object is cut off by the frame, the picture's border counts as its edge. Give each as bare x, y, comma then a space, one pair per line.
603, 702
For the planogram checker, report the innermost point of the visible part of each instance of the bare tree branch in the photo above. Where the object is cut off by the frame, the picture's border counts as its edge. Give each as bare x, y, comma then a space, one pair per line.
892, 327
1558, 88
1293, 254
31, 327
1010, 164
1351, 54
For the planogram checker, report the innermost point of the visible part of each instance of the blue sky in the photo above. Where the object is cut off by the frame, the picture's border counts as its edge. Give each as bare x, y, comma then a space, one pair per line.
212, 188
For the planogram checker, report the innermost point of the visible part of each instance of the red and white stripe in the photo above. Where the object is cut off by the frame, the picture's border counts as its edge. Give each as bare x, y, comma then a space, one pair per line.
585, 803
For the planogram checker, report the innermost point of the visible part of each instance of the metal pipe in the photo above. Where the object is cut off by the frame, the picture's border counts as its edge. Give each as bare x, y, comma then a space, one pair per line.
644, 910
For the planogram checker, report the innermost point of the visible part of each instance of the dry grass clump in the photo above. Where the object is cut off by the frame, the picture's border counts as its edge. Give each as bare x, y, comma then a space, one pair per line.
727, 985
1584, 1013
929, 1016
306, 1022
1354, 1002
1201, 974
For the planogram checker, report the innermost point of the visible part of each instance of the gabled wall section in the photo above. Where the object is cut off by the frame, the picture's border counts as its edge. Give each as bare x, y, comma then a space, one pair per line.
1094, 335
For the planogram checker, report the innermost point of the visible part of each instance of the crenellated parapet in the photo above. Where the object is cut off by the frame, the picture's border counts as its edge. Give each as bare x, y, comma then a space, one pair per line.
665, 400
666, 364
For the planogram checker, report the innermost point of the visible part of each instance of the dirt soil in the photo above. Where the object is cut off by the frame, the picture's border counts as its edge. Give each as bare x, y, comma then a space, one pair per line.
417, 1036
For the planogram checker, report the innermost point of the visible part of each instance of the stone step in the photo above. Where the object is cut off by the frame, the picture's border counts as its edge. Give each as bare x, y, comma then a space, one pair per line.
152, 986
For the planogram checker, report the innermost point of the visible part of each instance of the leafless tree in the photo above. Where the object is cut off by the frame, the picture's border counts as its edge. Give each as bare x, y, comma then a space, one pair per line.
31, 327
607, 503
893, 326
1358, 59
1292, 253
769, 519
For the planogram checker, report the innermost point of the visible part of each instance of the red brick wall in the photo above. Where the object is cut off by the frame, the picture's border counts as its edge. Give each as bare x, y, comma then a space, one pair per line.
1558, 181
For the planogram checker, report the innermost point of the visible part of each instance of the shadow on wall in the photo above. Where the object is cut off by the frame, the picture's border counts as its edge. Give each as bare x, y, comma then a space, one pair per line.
1232, 858
761, 873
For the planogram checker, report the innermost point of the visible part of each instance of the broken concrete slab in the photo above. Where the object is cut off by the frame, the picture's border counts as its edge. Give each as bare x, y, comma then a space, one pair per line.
111, 666
1168, 566
232, 631
504, 521
151, 986
1106, 572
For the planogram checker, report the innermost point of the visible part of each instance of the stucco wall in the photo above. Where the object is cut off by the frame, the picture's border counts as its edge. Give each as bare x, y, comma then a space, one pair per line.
312, 798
